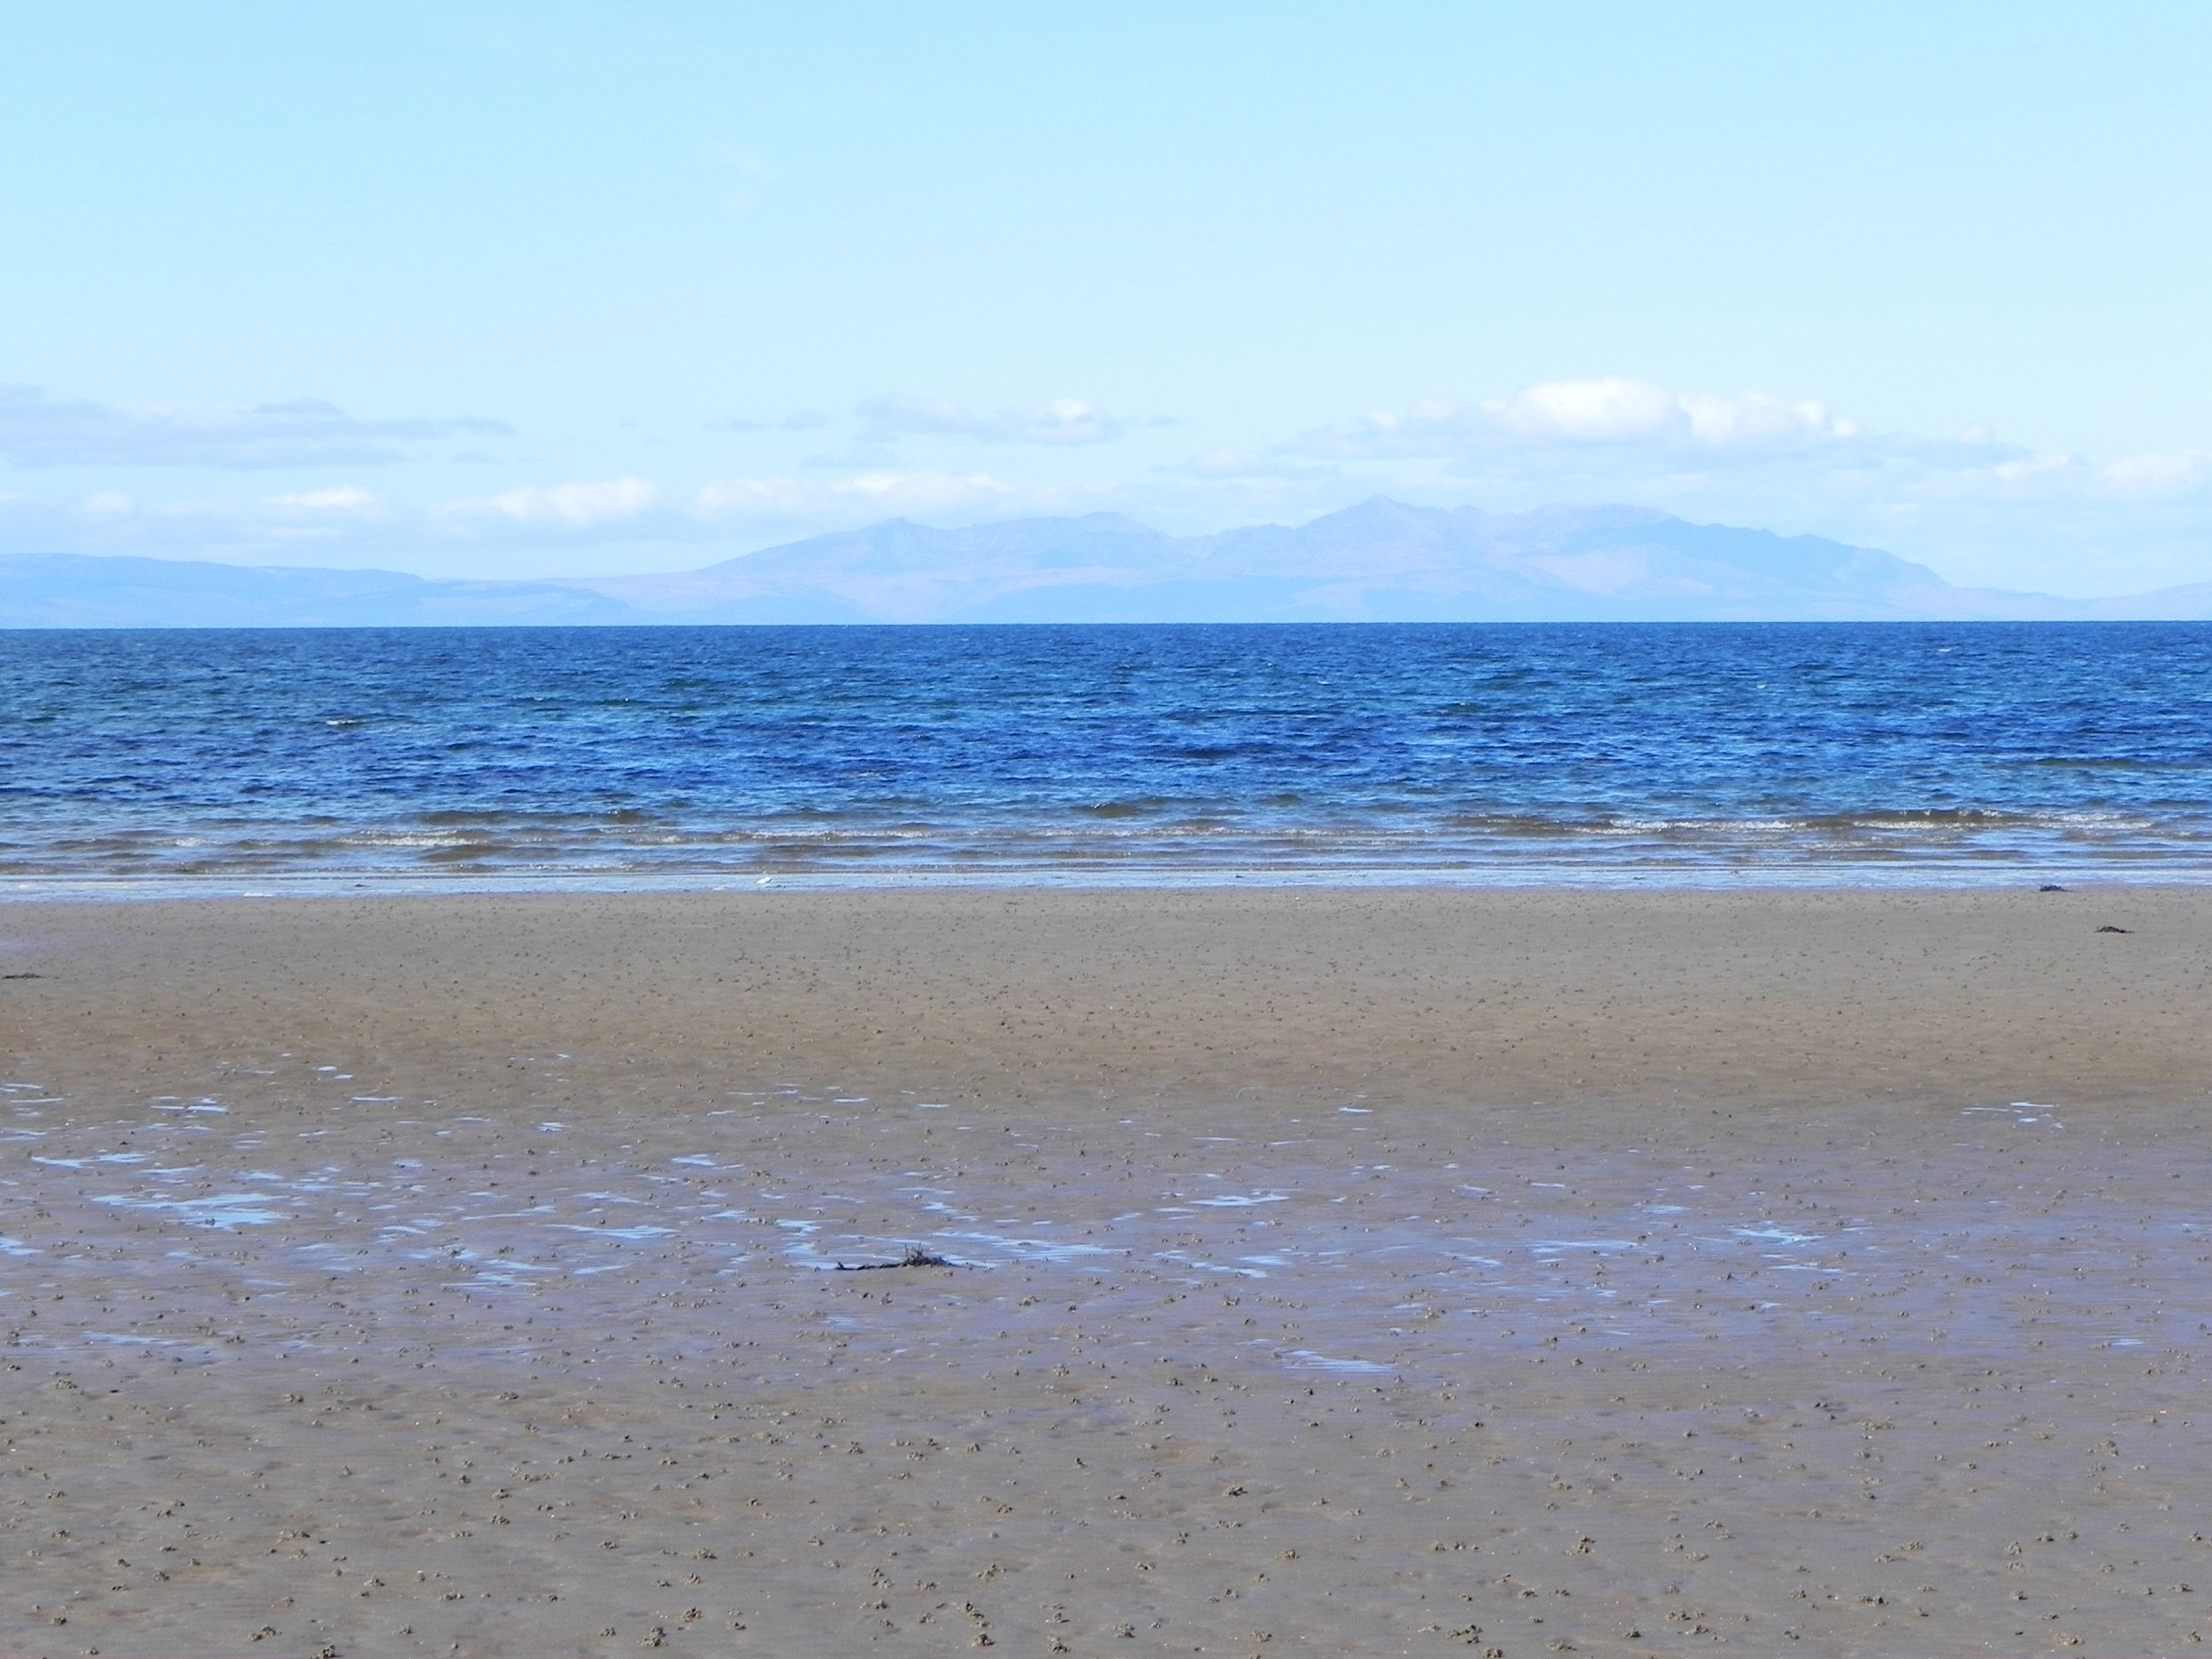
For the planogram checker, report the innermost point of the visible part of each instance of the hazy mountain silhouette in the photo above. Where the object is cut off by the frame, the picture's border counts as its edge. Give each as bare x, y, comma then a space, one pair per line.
67, 590
1378, 561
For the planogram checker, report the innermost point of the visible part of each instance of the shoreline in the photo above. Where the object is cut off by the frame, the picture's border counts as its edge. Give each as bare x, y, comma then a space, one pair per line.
1582, 876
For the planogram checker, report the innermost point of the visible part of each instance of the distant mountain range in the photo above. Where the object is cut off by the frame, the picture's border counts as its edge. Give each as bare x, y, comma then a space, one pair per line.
1381, 561
71, 590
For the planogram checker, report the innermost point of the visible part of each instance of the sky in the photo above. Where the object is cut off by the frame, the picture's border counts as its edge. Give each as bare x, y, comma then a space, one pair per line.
491, 290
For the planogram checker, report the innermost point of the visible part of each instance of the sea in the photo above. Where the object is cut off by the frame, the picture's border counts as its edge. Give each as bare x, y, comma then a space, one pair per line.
165, 762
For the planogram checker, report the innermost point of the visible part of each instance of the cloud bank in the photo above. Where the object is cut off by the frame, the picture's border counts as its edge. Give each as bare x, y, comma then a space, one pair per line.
1983, 508
581, 505
1643, 436
1067, 421
41, 431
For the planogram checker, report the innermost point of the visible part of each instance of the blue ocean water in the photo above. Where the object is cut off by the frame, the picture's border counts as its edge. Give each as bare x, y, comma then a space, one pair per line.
1785, 752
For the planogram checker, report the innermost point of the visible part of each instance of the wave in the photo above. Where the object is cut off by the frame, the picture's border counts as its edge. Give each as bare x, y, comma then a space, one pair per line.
1626, 844
1106, 755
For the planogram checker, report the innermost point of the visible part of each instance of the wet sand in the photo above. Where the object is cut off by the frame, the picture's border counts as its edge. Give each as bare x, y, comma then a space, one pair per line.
1332, 1272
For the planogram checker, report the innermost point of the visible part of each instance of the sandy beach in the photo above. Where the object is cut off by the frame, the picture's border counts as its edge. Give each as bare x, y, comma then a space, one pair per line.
1352, 1272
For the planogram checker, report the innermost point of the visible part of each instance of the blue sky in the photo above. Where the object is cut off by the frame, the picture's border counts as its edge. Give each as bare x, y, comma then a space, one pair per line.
491, 290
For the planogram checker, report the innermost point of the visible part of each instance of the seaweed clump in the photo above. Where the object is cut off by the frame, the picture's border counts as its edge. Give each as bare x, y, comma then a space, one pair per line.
915, 1257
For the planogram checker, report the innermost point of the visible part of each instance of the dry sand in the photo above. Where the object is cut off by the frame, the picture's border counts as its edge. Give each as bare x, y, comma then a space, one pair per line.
1337, 1272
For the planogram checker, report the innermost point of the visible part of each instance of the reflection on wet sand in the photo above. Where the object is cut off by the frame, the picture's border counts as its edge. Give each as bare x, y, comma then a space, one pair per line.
1582, 1369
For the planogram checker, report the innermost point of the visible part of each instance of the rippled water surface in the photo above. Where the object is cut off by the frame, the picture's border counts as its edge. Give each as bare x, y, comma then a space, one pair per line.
694, 756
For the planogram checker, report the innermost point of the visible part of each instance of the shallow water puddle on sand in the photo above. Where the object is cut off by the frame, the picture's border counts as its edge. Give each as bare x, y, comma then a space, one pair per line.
1553, 1247
1622, 1261
2026, 1113
172, 1103
1184, 1259
1304, 1359
632, 1234
221, 1209
1771, 1235
1034, 1249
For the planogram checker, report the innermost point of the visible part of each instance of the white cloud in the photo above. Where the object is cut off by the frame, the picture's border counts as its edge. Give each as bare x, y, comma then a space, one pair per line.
2054, 478
1755, 418
1588, 411
1747, 457
579, 505
1227, 461
344, 524
2155, 477
345, 499
1067, 421
896, 494
1608, 412
797, 421
36, 430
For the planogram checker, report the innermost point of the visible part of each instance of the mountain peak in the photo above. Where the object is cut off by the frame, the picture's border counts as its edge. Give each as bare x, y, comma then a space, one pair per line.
1377, 509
